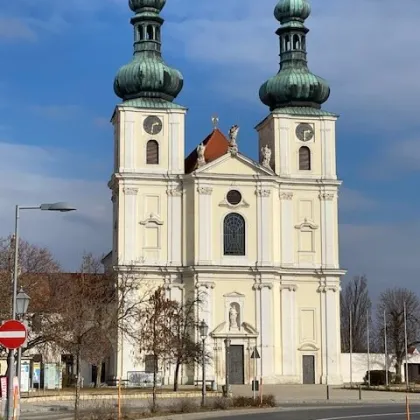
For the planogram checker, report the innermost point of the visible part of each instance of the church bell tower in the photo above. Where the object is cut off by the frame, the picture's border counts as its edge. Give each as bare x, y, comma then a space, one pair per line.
149, 132
301, 137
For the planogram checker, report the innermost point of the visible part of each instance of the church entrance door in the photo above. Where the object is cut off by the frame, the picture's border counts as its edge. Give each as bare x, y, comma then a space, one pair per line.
236, 365
308, 369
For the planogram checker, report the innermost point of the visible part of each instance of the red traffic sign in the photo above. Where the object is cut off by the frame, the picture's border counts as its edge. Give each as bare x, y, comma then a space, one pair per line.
12, 334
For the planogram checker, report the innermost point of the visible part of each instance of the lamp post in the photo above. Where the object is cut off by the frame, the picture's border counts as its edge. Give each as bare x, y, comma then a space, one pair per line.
61, 207
22, 304
227, 368
203, 333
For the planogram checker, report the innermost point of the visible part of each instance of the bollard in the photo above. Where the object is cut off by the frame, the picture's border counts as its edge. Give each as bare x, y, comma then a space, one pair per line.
360, 392
328, 392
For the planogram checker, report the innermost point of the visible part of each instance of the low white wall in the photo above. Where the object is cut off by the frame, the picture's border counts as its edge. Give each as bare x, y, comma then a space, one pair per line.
359, 365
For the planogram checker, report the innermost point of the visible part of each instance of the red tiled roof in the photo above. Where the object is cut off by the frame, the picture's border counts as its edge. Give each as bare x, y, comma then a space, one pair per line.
216, 146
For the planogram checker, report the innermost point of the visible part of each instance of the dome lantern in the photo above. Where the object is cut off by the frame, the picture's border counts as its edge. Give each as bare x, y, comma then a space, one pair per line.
294, 84
147, 75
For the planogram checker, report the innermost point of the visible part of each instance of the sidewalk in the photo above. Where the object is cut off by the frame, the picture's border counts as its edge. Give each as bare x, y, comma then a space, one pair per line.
318, 393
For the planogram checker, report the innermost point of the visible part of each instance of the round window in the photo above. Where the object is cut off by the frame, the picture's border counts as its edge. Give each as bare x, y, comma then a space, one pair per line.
234, 197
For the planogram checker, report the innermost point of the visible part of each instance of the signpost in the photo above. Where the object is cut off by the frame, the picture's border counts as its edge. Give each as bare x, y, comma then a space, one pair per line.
12, 334
255, 355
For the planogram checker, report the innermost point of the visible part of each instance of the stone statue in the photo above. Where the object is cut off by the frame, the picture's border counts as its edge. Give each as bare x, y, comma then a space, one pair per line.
266, 156
233, 318
201, 160
233, 134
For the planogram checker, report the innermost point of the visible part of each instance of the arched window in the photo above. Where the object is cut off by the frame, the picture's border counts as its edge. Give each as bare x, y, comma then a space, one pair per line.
296, 42
287, 42
152, 152
304, 159
234, 234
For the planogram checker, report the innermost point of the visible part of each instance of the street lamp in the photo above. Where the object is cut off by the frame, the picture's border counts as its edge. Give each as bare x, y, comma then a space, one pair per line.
61, 207
227, 364
22, 303
204, 329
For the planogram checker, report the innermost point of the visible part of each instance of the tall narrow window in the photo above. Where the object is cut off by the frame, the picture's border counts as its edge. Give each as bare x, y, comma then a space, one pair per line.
287, 42
150, 32
296, 42
304, 159
234, 234
140, 31
152, 152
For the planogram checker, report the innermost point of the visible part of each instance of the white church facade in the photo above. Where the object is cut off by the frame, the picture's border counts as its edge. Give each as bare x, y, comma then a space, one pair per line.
259, 238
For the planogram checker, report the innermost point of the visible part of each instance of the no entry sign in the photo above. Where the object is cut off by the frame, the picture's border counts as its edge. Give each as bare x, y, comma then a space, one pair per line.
12, 334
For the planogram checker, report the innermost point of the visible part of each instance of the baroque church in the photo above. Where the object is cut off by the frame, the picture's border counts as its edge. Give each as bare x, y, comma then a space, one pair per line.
259, 238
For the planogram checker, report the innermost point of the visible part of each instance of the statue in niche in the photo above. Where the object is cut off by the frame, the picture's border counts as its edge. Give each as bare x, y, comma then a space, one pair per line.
201, 160
233, 317
266, 156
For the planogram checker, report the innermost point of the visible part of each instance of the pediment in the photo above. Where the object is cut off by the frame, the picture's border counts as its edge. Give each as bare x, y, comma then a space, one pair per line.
306, 224
234, 295
246, 330
308, 347
152, 219
237, 164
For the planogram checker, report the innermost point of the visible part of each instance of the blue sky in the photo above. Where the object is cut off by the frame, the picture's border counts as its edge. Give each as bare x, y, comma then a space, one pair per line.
59, 59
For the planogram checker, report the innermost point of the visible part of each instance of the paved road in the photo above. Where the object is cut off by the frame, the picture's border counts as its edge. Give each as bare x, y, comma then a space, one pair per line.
388, 412
339, 412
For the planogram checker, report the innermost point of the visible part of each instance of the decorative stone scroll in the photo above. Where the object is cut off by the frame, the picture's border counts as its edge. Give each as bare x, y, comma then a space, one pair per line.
262, 193
327, 196
205, 190
130, 191
174, 192
286, 195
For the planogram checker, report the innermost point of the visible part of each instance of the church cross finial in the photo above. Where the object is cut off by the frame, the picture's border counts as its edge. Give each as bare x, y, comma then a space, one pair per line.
215, 121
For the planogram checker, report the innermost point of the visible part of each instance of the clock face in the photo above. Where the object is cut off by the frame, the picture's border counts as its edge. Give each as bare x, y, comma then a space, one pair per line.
152, 125
304, 132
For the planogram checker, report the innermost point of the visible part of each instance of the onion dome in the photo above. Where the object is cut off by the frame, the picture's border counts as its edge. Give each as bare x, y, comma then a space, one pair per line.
147, 75
294, 85
138, 5
288, 10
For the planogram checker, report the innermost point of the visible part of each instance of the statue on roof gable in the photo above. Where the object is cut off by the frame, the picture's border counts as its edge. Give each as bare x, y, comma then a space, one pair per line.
201, 160
233, 134
266, 156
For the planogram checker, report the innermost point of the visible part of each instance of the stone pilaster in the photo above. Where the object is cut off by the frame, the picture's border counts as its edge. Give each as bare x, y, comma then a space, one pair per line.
289, 328
130, 225
204, 225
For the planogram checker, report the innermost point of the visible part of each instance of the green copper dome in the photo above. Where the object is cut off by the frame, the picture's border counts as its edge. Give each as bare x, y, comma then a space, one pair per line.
147, 75
137, 5
294, 84
287, 10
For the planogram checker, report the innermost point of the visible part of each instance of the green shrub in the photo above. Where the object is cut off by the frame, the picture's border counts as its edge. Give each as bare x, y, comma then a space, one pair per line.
269, 401
378, 377
185, 405
221, 403
244, 402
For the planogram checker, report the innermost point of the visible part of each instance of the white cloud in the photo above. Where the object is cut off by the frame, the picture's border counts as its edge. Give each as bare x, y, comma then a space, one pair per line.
15, 29
27, 180
350, 44
57, 111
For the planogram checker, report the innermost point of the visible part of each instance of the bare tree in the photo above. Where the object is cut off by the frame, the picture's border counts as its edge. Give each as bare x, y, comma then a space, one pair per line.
392, 301
185, 348
355, 304
156, 329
